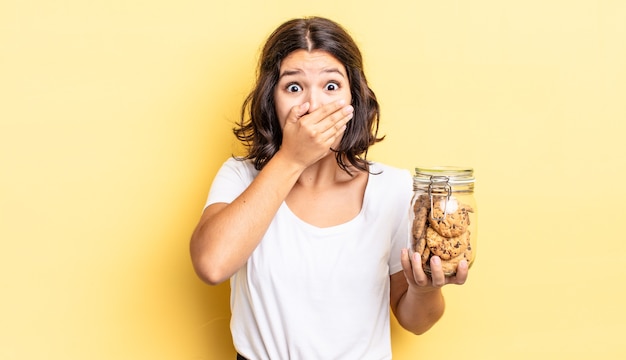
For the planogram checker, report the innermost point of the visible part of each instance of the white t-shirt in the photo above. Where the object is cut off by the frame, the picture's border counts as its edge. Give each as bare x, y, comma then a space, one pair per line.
319, 293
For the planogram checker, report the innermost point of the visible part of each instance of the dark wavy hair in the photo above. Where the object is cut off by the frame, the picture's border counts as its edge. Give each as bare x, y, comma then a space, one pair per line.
259, 128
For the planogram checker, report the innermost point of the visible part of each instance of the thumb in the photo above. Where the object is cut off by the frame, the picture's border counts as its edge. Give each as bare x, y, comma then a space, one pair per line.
300, 111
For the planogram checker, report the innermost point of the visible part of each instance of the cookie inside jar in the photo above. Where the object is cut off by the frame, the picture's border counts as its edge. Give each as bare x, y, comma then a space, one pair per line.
443, 217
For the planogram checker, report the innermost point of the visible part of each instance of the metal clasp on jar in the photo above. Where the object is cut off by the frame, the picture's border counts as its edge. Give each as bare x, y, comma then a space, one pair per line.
439, 187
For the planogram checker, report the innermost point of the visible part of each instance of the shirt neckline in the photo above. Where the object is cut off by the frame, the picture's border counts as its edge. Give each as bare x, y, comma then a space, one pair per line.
338, 227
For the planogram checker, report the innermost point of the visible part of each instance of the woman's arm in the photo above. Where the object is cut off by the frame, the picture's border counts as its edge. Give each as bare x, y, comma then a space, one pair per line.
416, 299
227, 234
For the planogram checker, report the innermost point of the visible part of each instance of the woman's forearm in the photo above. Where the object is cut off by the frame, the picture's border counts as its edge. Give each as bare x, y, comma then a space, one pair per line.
227, 234
419, 309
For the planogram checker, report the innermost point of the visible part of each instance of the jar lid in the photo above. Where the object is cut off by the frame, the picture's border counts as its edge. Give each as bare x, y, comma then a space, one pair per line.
454, 175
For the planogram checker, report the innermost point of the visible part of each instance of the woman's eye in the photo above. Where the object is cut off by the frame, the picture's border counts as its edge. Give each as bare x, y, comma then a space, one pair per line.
332, 86
293, 88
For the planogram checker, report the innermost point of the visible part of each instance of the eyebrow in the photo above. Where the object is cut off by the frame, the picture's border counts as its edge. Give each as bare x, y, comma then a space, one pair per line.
298, 71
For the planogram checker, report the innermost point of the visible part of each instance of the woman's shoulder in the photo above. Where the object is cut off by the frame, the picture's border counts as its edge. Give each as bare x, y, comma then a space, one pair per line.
239, 162
240, 166
391, 178
389, 172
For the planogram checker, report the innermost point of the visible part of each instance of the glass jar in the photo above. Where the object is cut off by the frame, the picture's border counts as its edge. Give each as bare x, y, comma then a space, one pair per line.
442, 216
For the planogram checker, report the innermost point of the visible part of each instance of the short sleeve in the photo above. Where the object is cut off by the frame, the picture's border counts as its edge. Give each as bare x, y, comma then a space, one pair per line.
230, 181
400, 238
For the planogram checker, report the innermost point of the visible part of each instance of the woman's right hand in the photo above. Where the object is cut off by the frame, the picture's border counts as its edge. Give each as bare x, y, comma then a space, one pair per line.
309, 136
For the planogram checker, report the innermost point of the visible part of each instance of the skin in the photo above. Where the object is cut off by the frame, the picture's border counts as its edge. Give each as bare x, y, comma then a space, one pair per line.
312, 100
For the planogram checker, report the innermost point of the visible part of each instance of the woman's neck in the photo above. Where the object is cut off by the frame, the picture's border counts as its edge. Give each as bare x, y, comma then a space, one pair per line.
325, 172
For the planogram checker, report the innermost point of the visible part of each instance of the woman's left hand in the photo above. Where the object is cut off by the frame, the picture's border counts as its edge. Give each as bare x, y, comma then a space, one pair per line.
416, 277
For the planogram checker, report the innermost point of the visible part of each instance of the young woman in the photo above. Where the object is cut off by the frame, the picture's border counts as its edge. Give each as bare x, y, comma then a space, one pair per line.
310, 233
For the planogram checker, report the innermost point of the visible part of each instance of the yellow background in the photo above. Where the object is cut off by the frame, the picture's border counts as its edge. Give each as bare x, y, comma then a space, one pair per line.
115, 115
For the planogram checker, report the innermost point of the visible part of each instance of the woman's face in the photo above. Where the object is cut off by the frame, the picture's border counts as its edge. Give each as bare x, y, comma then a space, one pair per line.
316, 77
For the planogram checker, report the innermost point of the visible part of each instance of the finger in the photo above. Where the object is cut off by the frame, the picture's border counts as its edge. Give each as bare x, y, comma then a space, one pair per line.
330, 112
407, 267
335, 124
461, 273
420, 276
328, 109
298, 111
436, 270
405, 261
348, 113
